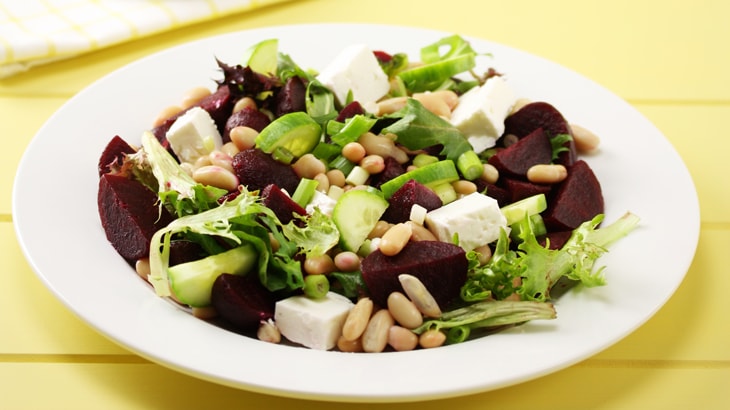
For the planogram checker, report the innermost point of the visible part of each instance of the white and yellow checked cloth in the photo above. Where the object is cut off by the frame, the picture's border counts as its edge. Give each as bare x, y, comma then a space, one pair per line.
34, 32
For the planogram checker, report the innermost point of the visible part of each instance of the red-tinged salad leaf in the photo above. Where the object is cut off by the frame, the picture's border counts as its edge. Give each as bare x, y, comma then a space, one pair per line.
244, 82
418, 128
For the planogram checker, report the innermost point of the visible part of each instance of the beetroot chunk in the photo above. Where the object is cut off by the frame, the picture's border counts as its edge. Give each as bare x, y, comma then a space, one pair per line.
183, 251
402, 200
256, 169
350, 110
219, 105
129, 215
247, 117
242, 301
519, 189
542, 115
578, 199
113, 154
281, 204
441, 266
502, 196
516, 159
392, 170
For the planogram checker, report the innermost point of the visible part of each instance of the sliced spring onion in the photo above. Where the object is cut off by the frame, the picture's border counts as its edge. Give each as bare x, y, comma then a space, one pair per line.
283, 155
469, 165
305, 191
342, 163
358, 176
421, 160
326, 152
430, 175
352, 129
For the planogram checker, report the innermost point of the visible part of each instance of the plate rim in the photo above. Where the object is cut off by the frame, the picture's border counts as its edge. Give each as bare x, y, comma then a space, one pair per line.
22, 229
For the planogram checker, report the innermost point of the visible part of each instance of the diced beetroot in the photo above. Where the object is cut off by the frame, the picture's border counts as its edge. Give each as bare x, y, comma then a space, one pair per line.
516, 159
113, 154
256, 169
352, 109
160, 131
578, 199
541, 115
291, 97
500, 194
441, 266
129, 215
248, 117
219, 105
280, 203
392, 170
402, 200
183, 251
242, 301
519, 189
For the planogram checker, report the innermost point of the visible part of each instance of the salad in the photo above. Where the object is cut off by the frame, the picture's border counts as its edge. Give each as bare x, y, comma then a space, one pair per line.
382, 203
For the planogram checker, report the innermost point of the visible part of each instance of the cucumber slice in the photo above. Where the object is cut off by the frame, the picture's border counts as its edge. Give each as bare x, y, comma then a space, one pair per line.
296, 132
526, 207
430, 175
263, 57
355, 215
192, 282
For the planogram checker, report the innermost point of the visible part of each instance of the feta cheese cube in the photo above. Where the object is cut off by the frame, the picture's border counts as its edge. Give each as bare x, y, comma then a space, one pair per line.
356, 70
324, 202
314, 323
481, 112
193, 135
475, 218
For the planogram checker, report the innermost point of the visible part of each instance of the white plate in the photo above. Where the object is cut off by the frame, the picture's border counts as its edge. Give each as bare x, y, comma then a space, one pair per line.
59, 231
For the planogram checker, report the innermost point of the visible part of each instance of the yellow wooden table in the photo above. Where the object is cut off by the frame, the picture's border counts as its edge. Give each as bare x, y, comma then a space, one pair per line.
669, 59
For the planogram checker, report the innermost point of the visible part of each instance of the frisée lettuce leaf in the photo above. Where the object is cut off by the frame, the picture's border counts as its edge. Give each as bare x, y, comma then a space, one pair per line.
156, 168
532, 269
242, 220
316, 236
